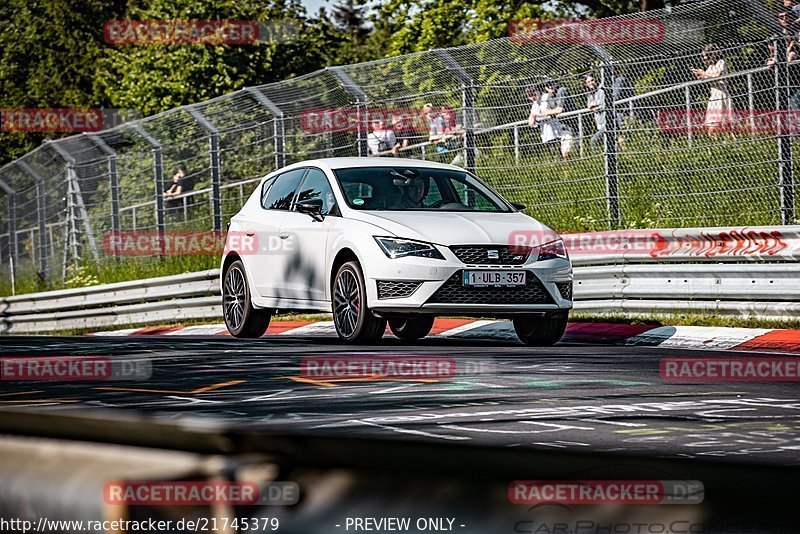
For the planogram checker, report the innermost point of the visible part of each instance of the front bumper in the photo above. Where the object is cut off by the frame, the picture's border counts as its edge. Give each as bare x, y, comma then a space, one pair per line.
437, 289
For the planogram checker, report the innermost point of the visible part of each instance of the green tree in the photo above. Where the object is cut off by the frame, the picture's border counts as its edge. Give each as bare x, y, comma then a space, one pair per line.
49, 51
153, 78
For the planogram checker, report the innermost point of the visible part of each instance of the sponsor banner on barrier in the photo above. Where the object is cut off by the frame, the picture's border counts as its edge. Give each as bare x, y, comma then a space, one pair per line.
199, 493
631, 492
737, 242
73, 368
572, 31
352, 119
63, 120
760, 121
730, 369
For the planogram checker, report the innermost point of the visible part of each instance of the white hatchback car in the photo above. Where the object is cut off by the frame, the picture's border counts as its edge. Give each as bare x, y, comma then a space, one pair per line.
387, 239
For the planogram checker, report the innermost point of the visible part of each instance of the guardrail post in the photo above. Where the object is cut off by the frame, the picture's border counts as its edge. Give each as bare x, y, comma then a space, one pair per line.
213, 151
361, 108
158, 176
610, 145
280, 126
785, 172
113, 184
41, 207
467, 103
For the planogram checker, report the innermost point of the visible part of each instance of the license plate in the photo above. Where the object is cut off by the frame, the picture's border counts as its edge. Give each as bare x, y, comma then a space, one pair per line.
494, 278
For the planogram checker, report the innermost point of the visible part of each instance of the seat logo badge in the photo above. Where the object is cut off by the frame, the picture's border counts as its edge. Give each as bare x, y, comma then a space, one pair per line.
493, 254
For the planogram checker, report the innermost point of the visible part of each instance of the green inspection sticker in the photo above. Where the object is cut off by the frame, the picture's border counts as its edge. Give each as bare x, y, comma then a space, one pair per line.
358, 201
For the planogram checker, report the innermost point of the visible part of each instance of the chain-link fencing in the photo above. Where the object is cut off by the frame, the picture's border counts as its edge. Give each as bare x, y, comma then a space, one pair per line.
673, 118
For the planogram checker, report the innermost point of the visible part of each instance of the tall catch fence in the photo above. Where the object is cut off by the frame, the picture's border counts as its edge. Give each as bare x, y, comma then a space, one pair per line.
643, 147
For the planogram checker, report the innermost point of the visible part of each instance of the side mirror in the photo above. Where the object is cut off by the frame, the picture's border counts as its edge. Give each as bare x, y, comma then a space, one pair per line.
311, 207
518, 206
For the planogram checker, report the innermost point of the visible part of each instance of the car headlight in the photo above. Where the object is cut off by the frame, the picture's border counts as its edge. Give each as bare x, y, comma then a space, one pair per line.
400, 248
552, 250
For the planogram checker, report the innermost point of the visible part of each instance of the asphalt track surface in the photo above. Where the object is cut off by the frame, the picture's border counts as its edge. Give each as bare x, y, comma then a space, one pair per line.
565, 398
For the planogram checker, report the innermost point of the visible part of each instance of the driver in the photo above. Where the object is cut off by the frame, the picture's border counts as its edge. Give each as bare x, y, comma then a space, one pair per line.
414, 192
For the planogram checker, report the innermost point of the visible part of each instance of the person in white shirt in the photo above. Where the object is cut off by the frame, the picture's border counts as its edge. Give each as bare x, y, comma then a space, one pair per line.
381, 139
543, 114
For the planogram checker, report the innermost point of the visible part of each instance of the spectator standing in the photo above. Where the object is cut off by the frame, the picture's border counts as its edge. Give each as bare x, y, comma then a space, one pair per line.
558, 102
403, 132
380, 139
180, 184
543, 115
438, 132
720, 107
596, 103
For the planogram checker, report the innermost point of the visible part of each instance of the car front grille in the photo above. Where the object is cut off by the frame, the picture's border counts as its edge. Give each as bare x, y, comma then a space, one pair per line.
480, 254
565, 288
396, 289
454, 292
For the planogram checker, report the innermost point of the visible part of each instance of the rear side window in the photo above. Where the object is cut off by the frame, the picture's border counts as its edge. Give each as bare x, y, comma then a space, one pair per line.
280, 194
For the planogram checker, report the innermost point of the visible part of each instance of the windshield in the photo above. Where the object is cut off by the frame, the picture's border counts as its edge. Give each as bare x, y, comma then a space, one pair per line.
415, 189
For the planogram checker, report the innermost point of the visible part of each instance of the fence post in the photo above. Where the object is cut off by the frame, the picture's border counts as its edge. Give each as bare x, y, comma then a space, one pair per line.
158, 176
467, 104
12, 229
216, 181
610, 145
361, 108
41, 207
785, 173
280, 126
687, 96
113, 184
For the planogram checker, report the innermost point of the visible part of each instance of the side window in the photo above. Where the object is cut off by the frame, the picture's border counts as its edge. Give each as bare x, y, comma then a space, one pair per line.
280, 195
316, 186
265, 189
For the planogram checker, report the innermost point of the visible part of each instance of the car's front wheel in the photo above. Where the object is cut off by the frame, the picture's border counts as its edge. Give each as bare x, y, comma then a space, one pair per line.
241, 318
352, 318
411, 328
540, 331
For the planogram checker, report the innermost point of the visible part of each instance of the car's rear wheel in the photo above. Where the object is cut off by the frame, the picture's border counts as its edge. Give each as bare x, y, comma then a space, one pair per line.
412, 328
352, 318
540, 331
241, 318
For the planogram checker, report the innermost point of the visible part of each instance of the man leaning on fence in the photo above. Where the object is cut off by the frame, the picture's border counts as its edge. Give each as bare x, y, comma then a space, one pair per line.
380, 140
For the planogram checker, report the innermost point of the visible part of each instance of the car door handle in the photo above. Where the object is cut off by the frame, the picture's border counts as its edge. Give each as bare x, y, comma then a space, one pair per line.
249, 232
284, 235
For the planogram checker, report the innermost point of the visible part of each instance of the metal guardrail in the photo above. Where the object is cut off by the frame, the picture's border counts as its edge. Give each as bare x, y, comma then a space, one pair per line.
745, 272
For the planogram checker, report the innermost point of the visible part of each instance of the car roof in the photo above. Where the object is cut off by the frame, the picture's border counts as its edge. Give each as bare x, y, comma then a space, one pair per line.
346, 163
